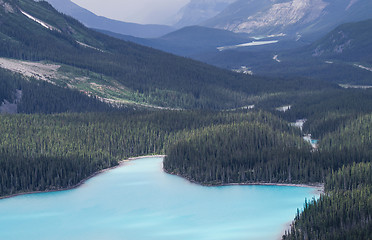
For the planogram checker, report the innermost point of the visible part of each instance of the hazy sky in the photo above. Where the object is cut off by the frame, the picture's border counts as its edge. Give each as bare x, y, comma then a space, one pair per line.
138, 11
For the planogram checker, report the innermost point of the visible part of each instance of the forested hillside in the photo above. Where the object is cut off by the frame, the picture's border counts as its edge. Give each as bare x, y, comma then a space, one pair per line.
349, 42
350, 143
344, 212
325, 111
260, 150
34, 31
266, 152
342, 55
56, 65
162, 79
269, 151
43, 97
46, 152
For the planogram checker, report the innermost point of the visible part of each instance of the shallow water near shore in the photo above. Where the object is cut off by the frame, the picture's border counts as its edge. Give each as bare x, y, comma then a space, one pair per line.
138, 201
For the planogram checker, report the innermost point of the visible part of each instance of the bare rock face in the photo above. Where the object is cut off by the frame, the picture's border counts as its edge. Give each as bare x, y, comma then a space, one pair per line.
7, 7
280, 14
294, 18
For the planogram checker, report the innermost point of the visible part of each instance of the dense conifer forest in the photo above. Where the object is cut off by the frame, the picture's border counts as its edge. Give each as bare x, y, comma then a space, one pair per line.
43, 97
251, 153
344, 212
258, 150
160, 79
46, 152
327, 110
63, 136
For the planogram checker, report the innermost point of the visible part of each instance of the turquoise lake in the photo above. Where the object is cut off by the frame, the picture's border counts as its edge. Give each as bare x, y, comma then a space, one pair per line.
138, 201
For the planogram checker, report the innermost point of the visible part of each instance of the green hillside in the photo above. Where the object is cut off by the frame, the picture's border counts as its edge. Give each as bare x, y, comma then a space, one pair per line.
109, 68
49, 152
262, 149
344, 212
43, 97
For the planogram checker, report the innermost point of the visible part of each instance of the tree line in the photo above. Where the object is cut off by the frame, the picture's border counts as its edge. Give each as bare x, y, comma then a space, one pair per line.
344, 212
43, 152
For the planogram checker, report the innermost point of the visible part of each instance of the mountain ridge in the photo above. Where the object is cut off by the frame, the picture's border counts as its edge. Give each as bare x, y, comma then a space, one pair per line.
91, 20
114, 70
197, 11
295, 18
188, 41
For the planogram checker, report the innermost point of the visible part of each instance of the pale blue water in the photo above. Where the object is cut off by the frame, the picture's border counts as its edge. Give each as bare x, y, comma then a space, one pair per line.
139, 201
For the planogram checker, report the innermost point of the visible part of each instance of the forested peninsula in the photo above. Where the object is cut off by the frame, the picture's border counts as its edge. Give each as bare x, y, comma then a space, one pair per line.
51, 152
102, 100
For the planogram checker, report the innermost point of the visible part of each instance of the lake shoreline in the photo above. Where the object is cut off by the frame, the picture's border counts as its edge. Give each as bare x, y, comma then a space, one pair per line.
110, 183
319, 188
85, 179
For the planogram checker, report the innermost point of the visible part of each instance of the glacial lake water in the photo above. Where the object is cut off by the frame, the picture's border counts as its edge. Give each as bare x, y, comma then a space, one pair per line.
138, 201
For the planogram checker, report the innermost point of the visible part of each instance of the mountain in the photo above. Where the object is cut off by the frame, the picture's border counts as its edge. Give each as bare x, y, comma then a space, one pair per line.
91, 20
40, 43
349, 42
198, 11
342, 56
308, 19
189, 41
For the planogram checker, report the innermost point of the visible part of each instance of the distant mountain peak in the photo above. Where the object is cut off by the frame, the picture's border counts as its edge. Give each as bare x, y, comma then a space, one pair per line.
309, 18
198, 11
281, 14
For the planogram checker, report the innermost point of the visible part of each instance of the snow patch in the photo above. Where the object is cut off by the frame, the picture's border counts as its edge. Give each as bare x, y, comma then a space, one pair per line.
45, 25
88, 46
249, 107
270, 36
275, 58
355, 86
250, 44
244, 70
363, 67
277, 35
329, 62
299, 123
284, 108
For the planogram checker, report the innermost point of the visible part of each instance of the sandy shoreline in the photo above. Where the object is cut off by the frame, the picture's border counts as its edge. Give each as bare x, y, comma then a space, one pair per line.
85, 179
